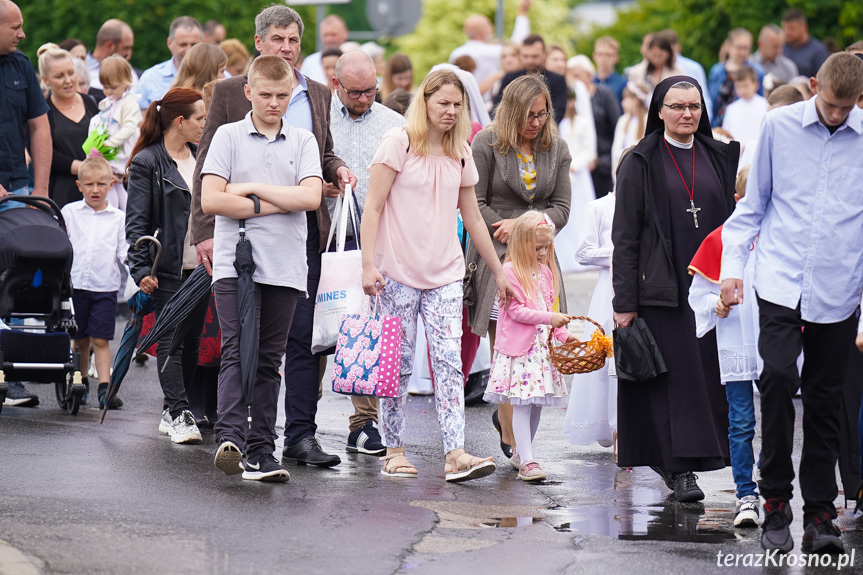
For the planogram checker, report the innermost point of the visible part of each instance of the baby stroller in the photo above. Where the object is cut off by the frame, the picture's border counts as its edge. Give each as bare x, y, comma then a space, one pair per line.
36, 300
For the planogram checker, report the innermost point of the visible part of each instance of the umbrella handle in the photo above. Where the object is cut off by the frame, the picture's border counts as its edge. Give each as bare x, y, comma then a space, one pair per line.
242, 223
158, 252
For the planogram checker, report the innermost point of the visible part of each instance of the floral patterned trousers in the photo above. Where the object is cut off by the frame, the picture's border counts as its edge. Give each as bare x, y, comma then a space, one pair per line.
441, 310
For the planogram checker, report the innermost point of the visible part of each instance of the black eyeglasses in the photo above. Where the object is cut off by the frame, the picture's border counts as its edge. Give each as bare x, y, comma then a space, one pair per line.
680, 107
542, 117
355, 94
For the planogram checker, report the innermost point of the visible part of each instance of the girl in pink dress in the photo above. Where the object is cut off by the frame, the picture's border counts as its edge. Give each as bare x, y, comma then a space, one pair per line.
521, 372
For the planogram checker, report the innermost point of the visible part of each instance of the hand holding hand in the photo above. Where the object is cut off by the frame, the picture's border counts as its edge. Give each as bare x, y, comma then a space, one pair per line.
731, 292
559, 319
721, 309
505, 292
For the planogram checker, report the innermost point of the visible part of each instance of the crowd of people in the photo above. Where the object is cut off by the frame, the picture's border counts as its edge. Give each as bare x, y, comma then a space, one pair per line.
720, 207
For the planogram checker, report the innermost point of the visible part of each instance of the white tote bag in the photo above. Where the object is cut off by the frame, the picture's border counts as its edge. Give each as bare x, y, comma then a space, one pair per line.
340, 290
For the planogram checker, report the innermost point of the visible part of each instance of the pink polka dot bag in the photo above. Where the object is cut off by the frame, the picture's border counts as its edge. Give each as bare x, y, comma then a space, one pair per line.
368, 355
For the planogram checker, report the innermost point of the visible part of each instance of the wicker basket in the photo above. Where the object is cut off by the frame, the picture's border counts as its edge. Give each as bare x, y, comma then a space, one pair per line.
579, 356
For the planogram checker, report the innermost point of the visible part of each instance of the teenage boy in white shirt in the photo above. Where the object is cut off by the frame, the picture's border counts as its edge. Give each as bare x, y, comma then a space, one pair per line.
261, 155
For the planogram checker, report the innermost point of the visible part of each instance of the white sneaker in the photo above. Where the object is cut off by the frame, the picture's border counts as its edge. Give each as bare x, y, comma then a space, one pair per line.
165, 423
183, 428
515, 461
747, 512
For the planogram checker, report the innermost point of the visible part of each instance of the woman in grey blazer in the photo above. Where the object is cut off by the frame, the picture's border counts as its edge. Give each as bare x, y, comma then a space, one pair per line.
523, 165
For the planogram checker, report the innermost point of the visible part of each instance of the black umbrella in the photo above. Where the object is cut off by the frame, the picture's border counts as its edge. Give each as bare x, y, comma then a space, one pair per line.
192, 295
248, 334
141, 305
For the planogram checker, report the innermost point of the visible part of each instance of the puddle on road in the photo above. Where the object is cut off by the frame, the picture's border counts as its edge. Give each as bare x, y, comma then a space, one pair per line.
671, 521
663, 522
511, 522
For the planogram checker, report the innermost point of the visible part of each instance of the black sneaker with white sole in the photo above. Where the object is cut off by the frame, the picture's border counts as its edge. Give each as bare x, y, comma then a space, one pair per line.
264, 467
366, 440
229, 458
18, 396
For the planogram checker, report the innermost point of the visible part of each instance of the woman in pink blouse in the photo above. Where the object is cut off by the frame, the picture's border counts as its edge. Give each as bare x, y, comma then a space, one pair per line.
413, 262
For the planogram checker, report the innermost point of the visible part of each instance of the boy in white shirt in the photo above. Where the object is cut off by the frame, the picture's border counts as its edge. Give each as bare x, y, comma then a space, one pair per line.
739, 362
743, 116
97, 231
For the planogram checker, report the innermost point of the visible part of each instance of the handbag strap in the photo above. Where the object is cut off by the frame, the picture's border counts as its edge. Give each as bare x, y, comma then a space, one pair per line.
340, 219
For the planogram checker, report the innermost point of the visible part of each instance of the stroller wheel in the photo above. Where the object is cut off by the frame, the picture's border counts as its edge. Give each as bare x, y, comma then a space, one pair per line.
69, 393
62, 389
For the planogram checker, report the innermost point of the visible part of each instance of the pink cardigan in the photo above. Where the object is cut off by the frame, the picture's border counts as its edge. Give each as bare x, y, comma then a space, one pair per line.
516, 323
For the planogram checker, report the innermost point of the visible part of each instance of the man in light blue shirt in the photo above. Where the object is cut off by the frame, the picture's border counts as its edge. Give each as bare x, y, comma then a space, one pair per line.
183, 33
804, 203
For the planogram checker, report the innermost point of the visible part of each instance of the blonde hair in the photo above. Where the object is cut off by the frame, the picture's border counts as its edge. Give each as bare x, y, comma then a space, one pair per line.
416, 116
95, 165
236, 52
511, 115
115, 71
270, 68
48, 53
207, 93
200, 65
740, 184
521, 250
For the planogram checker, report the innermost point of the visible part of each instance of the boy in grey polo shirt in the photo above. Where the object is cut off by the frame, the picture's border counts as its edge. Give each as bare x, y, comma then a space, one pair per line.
280, 164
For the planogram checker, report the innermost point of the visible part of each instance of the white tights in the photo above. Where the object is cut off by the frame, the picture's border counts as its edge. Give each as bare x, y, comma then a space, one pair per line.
525, 422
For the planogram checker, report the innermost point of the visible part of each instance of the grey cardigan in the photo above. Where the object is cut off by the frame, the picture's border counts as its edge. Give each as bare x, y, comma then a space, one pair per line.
501, 194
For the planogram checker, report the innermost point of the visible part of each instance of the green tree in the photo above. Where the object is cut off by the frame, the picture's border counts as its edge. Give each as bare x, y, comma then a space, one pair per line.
56, 20
703, 25
440, 29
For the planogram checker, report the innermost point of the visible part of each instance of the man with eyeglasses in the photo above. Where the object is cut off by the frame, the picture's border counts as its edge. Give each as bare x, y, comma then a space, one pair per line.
278, 32
357, 124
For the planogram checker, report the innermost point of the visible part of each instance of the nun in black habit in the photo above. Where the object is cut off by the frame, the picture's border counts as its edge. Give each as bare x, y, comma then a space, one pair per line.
673, 189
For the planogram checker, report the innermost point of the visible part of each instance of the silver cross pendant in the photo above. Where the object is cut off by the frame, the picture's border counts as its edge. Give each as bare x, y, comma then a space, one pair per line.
694, 211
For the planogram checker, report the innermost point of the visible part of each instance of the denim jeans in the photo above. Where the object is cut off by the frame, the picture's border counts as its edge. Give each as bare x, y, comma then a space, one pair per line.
24, 191
741, 431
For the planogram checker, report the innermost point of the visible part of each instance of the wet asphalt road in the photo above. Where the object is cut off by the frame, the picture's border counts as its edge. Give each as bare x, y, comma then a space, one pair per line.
77, 497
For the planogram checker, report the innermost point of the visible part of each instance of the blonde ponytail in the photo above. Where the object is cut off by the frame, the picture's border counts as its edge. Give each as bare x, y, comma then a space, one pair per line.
47, 53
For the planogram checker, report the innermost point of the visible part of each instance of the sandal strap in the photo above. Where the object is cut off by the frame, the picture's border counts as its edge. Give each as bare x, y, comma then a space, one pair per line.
390, 456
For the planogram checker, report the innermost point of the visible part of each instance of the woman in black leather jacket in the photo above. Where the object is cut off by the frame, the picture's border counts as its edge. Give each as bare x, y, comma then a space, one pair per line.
161, 168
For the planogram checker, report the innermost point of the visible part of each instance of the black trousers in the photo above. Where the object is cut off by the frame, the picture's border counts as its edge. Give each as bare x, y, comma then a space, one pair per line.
302, 367
177, 376
274, 307
784, 334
